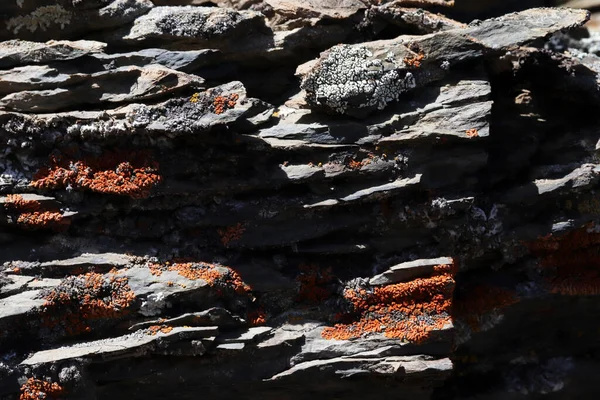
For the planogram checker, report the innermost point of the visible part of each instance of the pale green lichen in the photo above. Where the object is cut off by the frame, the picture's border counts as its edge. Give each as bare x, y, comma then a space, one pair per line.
40, 18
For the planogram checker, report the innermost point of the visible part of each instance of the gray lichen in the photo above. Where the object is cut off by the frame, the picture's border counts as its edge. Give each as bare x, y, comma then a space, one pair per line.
40, 18
189, 22
350, 77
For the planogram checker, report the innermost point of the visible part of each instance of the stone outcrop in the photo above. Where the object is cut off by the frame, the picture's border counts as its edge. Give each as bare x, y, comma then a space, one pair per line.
282, 199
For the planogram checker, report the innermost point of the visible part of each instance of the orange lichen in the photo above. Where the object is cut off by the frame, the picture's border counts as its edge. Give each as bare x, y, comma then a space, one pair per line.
224, 103
570, 262
43, 219
36, 389
231, 234
155, 269
31, 214
118, 173
257, 317
408, 311
79, 300
195, 98
154, 329
472, 133
221, 276
194, 271
414, 61
16, 202
314, 284
353, 164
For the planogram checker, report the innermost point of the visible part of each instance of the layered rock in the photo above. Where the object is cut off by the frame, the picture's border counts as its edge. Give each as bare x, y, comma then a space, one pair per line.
225, 200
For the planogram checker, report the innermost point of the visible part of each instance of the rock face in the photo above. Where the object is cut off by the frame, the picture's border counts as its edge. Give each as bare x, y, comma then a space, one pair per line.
280, 199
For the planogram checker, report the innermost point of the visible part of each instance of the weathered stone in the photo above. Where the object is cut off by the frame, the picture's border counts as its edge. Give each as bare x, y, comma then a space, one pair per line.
331, 224
19, 304
212, 317
14, 53
408, 271
413, 368
412, 18
358, 79
132, 345
64, 21
198, 25
251, 335
289, 14
125, 84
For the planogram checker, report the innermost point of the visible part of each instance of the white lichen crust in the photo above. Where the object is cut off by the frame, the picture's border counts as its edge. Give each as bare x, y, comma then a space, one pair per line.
40, 18
350, 77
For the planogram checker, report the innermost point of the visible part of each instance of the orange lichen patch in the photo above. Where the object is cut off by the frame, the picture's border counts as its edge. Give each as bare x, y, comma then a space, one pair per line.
16, 202
570, 262
45, 219
155, 269
407, 311
314, 284
154, 329
195, 98
79, 300
222, 277
35, 389
195, 271
414, 61
231, 234
480, 300
257, 317
355, 165
32, 216
224, 103
472, 133
127, 174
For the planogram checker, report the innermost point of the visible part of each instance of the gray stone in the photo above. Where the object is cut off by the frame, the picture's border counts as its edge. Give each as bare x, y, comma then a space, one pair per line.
132, 345
251, 335
291, 14
414, 367
375, 191
109, 260
200, 25
417, 19
231, 346
14, 53
301, 172
519, 28
358, 79
19, 304
581, 178
212, 317
186, 61
408, 271
125, 84
14, 284
63, 21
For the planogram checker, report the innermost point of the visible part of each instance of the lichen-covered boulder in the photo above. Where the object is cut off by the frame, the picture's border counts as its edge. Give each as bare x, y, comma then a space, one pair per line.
358, 79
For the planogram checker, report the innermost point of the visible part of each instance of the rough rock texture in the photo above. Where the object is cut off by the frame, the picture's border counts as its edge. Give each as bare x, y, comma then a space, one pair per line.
280, 199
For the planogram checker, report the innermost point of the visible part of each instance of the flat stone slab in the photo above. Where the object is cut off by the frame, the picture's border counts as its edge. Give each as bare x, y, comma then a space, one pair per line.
87, 259
128, 345
20, 304
409, 270
22, 52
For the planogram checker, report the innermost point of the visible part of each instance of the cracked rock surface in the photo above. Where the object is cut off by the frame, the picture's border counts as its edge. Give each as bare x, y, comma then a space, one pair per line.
269, 199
